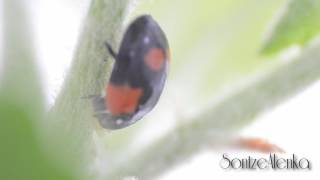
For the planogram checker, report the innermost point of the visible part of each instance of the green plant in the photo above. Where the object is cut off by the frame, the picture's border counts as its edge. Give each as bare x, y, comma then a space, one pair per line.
67, 134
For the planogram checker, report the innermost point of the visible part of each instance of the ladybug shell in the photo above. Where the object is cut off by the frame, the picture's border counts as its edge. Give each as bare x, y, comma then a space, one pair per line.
138, 75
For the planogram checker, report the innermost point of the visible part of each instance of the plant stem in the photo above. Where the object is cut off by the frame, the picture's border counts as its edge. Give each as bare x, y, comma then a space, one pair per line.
234, 111
71, 118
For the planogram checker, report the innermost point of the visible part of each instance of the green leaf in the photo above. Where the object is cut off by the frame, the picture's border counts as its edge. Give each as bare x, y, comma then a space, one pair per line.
299, 24
22, 155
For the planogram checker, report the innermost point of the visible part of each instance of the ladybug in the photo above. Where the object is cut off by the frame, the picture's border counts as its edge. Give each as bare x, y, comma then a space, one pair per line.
138, 75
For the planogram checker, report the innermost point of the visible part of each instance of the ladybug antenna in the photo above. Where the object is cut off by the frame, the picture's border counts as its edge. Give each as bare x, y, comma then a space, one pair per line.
110, 50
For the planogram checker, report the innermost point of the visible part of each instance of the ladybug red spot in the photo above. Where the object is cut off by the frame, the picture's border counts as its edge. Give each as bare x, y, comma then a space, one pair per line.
122, 98
154, 58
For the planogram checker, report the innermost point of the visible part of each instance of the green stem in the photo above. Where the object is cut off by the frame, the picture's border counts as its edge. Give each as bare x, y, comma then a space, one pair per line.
71, 118
234, 111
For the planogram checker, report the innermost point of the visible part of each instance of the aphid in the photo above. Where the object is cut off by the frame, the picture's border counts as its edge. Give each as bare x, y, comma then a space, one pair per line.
138, 76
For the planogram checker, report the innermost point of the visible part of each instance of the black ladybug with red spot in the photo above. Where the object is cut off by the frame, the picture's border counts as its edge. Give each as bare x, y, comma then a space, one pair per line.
138, 75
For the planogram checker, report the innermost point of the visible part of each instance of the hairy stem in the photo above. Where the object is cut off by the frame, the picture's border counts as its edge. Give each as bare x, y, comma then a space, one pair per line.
71, 118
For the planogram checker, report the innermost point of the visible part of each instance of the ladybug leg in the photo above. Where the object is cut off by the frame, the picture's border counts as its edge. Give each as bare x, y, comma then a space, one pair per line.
98, 103
110, 50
